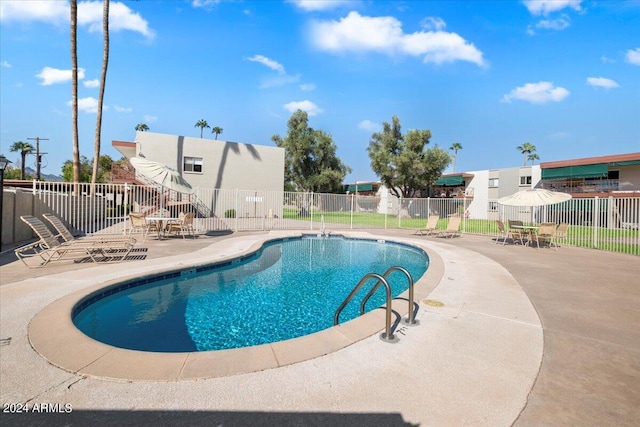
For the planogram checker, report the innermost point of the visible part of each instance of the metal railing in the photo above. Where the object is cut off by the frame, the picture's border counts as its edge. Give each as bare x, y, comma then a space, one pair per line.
609, 223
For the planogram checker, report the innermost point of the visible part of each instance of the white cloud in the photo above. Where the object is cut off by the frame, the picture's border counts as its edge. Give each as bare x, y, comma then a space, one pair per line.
88, 105
91, 83
315, 5
89, 15
120, 18
606, 59
306, 105
545, 7
558, 24
433, 23
204, 4
270, 63
149, 118
52, 76
308, 87
120, 109
47, 11
633, 56
537, 93
370, 126
602, 82
5, 64
357, 33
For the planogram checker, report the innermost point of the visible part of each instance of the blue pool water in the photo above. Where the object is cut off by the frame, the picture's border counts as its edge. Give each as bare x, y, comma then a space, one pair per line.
288, 289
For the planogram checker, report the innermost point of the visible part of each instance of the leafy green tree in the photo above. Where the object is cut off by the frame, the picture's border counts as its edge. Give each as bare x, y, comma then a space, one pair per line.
24, 148
142, 127
533, 157
403, 162
202, 124
217, 130
526, 149
86, 169
311, 163
12, 173
455, 147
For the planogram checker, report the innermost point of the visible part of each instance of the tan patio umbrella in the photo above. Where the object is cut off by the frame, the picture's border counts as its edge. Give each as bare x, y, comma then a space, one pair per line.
161, 174
534, 197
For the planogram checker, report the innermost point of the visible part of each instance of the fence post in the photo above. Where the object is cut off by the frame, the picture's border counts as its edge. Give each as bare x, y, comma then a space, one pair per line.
237, 211
352, 204
595, 223
311, 209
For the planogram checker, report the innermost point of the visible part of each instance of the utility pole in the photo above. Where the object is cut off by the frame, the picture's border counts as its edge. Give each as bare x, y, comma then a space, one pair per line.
38, 159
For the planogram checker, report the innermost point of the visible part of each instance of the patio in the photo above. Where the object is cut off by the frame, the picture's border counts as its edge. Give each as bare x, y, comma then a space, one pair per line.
586, 301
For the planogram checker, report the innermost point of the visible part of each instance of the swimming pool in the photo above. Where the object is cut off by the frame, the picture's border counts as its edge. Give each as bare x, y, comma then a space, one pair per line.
288, 289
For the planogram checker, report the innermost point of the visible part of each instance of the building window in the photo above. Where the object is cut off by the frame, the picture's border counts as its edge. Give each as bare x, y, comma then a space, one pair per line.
493, 182
192, 164
493, 206
525, 180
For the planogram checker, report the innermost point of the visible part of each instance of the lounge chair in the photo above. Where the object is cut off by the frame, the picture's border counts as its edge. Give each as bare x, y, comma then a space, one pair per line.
65, 234
452, 227
48, 248
183, 226
432, 224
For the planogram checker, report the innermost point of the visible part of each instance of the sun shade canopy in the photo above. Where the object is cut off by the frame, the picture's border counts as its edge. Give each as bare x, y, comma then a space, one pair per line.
360, 187
600, 170
450, 181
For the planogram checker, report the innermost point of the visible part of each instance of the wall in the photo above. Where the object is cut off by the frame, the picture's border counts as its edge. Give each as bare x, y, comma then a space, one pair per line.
226, 165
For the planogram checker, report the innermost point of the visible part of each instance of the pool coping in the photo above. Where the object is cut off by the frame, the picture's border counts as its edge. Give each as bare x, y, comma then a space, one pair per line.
52, 333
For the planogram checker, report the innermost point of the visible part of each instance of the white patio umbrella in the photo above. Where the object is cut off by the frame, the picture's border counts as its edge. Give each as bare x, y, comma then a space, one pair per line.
534, 197
161, 174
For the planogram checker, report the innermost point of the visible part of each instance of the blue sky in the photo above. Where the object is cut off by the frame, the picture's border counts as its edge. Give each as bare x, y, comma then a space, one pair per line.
491, 75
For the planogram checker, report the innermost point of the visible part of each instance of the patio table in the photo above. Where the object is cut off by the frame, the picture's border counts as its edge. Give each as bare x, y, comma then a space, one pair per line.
160, 223
530, 230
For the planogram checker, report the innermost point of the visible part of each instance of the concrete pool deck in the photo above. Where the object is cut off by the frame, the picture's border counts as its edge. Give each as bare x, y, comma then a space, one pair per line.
525, 337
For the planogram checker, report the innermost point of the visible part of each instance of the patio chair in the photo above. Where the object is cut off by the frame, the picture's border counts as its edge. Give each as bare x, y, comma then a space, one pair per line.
502, 232
452, 227
432, 224
515, 233
183, 226
546, 234
65, 234
48, 248
139, 224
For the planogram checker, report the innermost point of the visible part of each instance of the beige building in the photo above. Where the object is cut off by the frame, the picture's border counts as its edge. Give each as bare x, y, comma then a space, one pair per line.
208, 163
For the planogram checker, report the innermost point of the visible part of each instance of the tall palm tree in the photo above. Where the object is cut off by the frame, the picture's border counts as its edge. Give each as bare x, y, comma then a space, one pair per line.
526, 149
217, 130
201, 124
74, 90
103, 80
24, 148
141, 127
455, 147
533, 157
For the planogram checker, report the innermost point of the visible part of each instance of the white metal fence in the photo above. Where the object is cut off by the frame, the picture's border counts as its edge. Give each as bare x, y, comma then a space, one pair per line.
604, 223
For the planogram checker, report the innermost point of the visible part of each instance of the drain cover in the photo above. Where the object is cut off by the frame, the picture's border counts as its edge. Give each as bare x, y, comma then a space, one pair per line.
433, 303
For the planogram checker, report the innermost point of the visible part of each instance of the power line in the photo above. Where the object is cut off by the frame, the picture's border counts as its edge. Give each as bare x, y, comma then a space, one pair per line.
37, 139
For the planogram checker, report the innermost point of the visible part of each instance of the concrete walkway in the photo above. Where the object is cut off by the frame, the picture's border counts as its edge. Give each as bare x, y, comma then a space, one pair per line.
487, 357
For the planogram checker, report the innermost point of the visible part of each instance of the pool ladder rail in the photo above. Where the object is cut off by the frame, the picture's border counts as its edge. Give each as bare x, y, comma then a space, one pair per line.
381, 280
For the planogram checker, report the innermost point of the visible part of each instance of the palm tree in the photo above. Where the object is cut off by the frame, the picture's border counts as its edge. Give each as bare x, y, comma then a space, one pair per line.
217, 130
526, 149
455, 147
141, 127
533, 157
201, 124
74, 90
103, 80
24, 148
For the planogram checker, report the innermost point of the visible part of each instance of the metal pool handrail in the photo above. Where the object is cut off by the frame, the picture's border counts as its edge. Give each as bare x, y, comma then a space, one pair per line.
411, 319
387, 335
